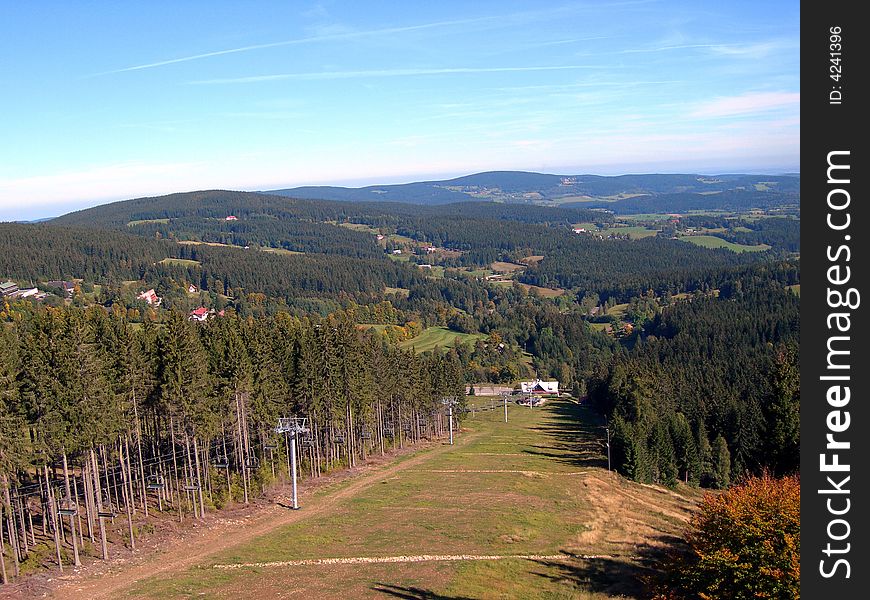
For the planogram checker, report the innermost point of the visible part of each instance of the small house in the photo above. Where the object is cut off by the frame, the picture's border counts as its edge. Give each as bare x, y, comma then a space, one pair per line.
191, 289
200, 314
231, 218
150, 297
539, 387
8, 288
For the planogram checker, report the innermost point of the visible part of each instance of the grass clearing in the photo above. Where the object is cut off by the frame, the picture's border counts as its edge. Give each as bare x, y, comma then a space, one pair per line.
442, 337
179, 262
594, 533
397, 291
635, 232
506, 267
281, 251
532, 260
544, 292
146, 221
711, 241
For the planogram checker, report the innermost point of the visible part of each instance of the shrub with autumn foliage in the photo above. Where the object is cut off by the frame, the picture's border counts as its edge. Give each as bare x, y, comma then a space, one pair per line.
743, 543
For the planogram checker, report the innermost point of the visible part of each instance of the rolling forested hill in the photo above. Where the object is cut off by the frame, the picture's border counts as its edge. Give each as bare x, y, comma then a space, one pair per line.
525, 187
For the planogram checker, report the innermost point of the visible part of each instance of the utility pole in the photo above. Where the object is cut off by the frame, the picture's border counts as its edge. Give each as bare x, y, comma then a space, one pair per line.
292, 427
449, 402
607, 429
504, 397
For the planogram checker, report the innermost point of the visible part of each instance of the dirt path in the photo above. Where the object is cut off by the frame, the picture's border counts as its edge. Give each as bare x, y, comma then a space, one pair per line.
113, 578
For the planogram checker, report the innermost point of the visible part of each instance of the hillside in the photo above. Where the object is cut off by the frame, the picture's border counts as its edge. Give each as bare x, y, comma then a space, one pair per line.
541, 188
540, 517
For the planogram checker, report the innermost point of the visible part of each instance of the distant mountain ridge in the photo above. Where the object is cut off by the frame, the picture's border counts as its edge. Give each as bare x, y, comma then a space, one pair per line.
543, 188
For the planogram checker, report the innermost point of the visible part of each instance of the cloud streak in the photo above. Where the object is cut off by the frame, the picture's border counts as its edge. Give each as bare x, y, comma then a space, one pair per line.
329, 75
745, 104
298, 41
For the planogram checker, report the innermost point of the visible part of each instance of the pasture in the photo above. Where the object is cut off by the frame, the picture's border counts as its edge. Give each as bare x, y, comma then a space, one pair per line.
711, 241
441, 337
524, 509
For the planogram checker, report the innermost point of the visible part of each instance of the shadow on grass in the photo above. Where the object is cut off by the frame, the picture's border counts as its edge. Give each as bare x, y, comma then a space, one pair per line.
577, 435
627, 576
412, 593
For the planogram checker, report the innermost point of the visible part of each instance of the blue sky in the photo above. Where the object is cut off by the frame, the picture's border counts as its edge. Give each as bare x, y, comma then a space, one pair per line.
113, 100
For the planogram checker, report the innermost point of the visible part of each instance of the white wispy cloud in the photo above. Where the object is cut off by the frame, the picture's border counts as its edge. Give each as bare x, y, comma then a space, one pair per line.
326, 75
745, 104
326, 37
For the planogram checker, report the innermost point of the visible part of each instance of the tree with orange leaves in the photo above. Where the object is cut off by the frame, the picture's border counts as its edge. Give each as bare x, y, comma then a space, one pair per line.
744, 543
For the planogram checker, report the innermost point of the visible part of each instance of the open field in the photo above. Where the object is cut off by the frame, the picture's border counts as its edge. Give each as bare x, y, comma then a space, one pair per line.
532, 260
180, 262
506, 267
440, 337
523, 509
543, 291
794, 288
711, 241
632, 231
145, 221
280, 251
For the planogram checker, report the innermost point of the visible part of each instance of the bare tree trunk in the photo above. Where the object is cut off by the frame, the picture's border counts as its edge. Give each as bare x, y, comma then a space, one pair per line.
129, 473
126, 500
5, 577
11, 534
89, 499
142, 489
72, 520
22, 528
98, 493
30, 523
198, 480
52, 510
78, 512
191, 494
175, 469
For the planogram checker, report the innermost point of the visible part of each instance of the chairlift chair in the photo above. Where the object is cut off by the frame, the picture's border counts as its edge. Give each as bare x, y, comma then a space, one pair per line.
108, 512
221, 462
270, 447
338, 439
67, 507
155, 482
253, 462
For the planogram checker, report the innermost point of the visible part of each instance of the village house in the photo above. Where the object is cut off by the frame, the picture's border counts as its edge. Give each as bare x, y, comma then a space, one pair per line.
232, 218
8, 288
150, 297
200, 314
539, 387
191, 289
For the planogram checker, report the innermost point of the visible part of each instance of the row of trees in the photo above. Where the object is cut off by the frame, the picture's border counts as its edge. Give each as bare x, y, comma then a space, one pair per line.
98, 417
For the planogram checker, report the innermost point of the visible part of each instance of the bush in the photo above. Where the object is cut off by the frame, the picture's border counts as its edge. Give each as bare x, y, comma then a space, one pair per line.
744, 543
